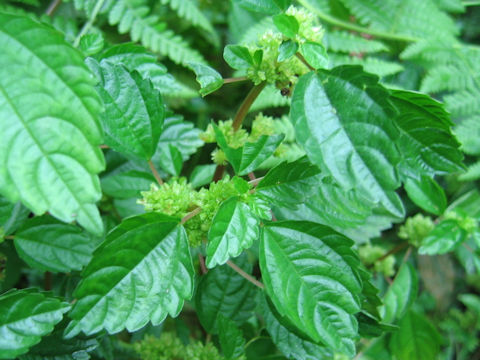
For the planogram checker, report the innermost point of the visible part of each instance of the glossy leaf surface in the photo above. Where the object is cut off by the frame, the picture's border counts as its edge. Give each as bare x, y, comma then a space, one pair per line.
208, 78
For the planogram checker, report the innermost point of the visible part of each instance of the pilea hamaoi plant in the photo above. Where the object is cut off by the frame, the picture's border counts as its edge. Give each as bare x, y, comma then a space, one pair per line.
296, 207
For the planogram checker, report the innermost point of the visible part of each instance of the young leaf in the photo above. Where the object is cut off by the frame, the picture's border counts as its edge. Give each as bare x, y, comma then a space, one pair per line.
50, 245
286, 24
306, 269
315, 54
445, 237
134, 112
233, 229
289, 341
25, 316
426, 193
231, 338
401, 294
202, 175
238, 57
127, 184
286, 50
223, 291
171, 160
290, 184
49, 153
208, 78
251, 155
417, 339
142, 272
357, 147
91, 44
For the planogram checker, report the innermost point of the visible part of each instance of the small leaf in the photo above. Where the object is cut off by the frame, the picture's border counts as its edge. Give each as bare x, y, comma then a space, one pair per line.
91, 44
286, 50
50, 245
208, 78
233, 229
202, 175
286, 24
231, 338
12, 216
238, 57
134, 112
141, 272
315, 54
307, 272
417, 339
445, 237
290, 184
127, 184
223, 291
426, 193
401, 294
25, 316
171, 161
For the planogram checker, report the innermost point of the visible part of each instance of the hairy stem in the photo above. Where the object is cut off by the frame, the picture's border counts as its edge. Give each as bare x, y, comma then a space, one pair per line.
53, 7
246, 104
190, 215
155, 173
87, 26
350, 26
245, 275
234, 79
302, 59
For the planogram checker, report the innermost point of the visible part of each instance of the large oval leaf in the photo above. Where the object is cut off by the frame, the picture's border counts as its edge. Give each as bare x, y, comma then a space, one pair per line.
342, 118
49, 153
142, 272
308, 274
47, 244
25, 316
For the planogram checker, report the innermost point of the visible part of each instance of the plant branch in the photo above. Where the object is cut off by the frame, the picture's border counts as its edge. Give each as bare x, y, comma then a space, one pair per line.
201, 260
353, 27
190, 215
256, 181
245, 275
155, 173
218, 173
302, 59
53, 7
246, 104
393, 251
234, 79
87, 26
471, 3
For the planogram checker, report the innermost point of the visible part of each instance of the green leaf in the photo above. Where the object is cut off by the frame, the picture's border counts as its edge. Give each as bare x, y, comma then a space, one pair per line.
401, 294
171, 161
141, 272
286, 24
315, 54
231, 338
49, 153
307, 272
417, 339
357, 147
222, 291
290, 184
50, 245
445, 237
25, 316
134, 112
233, 229
202, 175
286, 50
127, 184
269, 7
238, 57
91, 44
426, 141
12, 215
208, 78
426, 193
288, 339
251, 155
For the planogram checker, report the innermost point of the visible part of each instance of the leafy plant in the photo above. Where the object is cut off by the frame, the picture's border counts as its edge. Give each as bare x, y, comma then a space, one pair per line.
295, 180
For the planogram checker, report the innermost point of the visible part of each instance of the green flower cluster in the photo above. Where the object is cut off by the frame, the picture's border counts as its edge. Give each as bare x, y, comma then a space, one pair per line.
262, 125
169, 347
284, 74
178, 198
369, 255
466, 222
416, 229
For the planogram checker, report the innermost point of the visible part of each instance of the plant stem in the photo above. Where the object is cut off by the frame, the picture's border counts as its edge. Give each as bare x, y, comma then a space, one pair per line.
218, 173
256, 181
190, 215
471, 3
246, 104
9, 237
234, 79
155, 173
202, 264
86, 27
393, 251
53, 7
48, 280
104, 146
350, 26
302, 59
245, 275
